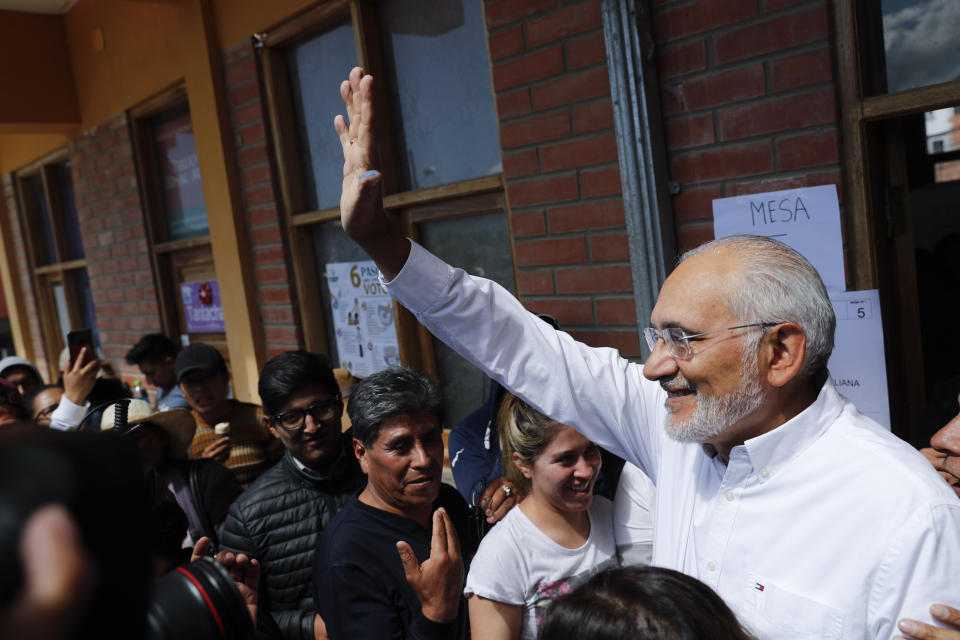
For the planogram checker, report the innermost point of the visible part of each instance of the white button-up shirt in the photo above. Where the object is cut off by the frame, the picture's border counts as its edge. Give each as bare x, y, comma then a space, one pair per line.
826, 527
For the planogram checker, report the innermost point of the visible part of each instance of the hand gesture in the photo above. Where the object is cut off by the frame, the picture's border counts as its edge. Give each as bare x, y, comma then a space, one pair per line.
219, 450
922, 631
80, 376
439, 580
361, 201
499, 497
245, 572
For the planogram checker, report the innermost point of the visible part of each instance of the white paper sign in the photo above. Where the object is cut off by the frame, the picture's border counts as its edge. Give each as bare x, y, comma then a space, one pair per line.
362, 318
857, 365
807, 219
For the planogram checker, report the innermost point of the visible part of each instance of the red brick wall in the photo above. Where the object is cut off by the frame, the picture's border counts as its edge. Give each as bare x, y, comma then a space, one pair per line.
274, 277
22, 271
749, 101
560, 163
113, 226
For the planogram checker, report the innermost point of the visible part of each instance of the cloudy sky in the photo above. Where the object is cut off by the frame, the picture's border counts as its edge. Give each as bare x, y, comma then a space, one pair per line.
922, 42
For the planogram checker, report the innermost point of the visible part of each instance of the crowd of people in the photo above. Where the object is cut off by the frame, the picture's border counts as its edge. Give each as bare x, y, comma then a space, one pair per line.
754, 500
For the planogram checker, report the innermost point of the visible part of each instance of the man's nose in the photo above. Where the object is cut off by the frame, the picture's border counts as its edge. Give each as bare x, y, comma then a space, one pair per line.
948, 438
660, 363
420, 456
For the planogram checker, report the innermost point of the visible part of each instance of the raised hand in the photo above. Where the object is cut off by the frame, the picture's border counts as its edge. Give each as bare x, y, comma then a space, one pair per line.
80, 376
361, 201
437, 582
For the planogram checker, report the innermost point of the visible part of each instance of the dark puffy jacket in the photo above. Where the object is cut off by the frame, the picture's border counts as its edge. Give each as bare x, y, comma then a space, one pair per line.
277, 521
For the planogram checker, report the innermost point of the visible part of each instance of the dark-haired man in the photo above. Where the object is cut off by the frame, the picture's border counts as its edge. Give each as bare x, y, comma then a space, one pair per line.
155, 355
278, 519
389, 565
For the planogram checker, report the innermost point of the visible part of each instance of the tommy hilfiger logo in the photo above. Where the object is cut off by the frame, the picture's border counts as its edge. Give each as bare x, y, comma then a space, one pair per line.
758, 586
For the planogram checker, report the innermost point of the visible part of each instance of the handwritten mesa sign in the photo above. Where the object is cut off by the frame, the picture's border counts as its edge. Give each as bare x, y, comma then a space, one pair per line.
807, 219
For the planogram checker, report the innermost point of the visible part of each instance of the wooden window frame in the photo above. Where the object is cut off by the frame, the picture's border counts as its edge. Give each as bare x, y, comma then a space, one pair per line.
44, 277
411, 208
148, 178
876, 252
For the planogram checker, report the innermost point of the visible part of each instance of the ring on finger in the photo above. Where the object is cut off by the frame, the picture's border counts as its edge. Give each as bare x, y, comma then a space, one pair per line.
507, 490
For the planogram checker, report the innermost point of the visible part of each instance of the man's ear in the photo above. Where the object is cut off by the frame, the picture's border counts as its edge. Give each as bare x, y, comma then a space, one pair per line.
268, 423
522, 465
783, 352
360, 450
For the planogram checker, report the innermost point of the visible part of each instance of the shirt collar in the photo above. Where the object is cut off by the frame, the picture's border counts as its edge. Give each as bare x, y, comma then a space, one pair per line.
778, 446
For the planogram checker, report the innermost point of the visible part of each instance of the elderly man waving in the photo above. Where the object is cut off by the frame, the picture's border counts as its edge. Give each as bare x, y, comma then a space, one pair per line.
809, 519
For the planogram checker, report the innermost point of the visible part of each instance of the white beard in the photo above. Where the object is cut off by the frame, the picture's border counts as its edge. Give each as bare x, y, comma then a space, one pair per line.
713, 414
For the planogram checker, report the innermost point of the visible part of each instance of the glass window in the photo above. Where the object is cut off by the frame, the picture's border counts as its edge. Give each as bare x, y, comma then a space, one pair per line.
38, 216
317, 67
480, 245
71, 223
921, 42
441, 114
942, 128
179, 168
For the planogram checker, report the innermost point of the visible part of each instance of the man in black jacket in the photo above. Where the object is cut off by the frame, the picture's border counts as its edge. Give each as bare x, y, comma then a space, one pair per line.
278, 519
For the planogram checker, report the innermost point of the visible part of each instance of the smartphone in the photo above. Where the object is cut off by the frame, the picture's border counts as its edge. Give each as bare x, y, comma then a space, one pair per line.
77, 340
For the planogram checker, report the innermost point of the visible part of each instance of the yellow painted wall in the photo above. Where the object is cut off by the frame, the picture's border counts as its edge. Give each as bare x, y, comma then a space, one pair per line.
239, 19
141, 55
17, 150
35, 75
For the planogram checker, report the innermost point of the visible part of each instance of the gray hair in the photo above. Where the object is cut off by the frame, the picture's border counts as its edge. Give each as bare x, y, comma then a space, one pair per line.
777, 284
387, 393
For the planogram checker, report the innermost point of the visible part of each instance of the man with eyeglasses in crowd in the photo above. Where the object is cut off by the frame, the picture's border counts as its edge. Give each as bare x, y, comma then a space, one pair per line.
807, 517
278, 519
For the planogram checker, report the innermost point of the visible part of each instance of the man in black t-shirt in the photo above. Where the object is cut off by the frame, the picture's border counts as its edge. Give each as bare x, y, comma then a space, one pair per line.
389, 566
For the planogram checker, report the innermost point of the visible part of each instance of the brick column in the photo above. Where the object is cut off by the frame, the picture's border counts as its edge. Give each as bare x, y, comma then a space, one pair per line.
113, 226
560, 163
274, 276
749, 101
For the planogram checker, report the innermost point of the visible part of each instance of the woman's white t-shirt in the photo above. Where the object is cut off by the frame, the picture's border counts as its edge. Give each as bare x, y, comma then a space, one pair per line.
519, 564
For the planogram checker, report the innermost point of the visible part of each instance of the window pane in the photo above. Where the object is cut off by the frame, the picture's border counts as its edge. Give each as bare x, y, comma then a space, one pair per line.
180, 184
921, 41
82, 283
71, 223
444, 118
480, 245
63, 312
316, 69
38, 217
332, 244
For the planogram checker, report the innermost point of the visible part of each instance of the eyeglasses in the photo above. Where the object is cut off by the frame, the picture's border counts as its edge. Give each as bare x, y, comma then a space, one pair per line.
678, 342
46, 413
294, 419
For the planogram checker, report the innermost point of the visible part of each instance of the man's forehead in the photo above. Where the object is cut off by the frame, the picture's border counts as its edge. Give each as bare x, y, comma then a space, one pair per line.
412, 424
696, 292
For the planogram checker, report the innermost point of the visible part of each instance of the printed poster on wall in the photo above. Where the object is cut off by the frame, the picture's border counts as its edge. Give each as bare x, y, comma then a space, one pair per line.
363, 319
201, 306
807, 219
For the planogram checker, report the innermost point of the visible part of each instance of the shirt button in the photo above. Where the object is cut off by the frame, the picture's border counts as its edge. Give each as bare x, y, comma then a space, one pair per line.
712, 565
764, 473
729, 496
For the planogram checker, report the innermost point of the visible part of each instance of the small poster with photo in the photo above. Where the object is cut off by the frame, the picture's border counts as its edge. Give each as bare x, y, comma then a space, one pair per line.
363, 318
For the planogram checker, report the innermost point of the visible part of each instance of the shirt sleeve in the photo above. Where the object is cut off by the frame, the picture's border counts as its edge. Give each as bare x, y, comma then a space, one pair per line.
592, 389
497, 571
68, 414
911, 576
633, 516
